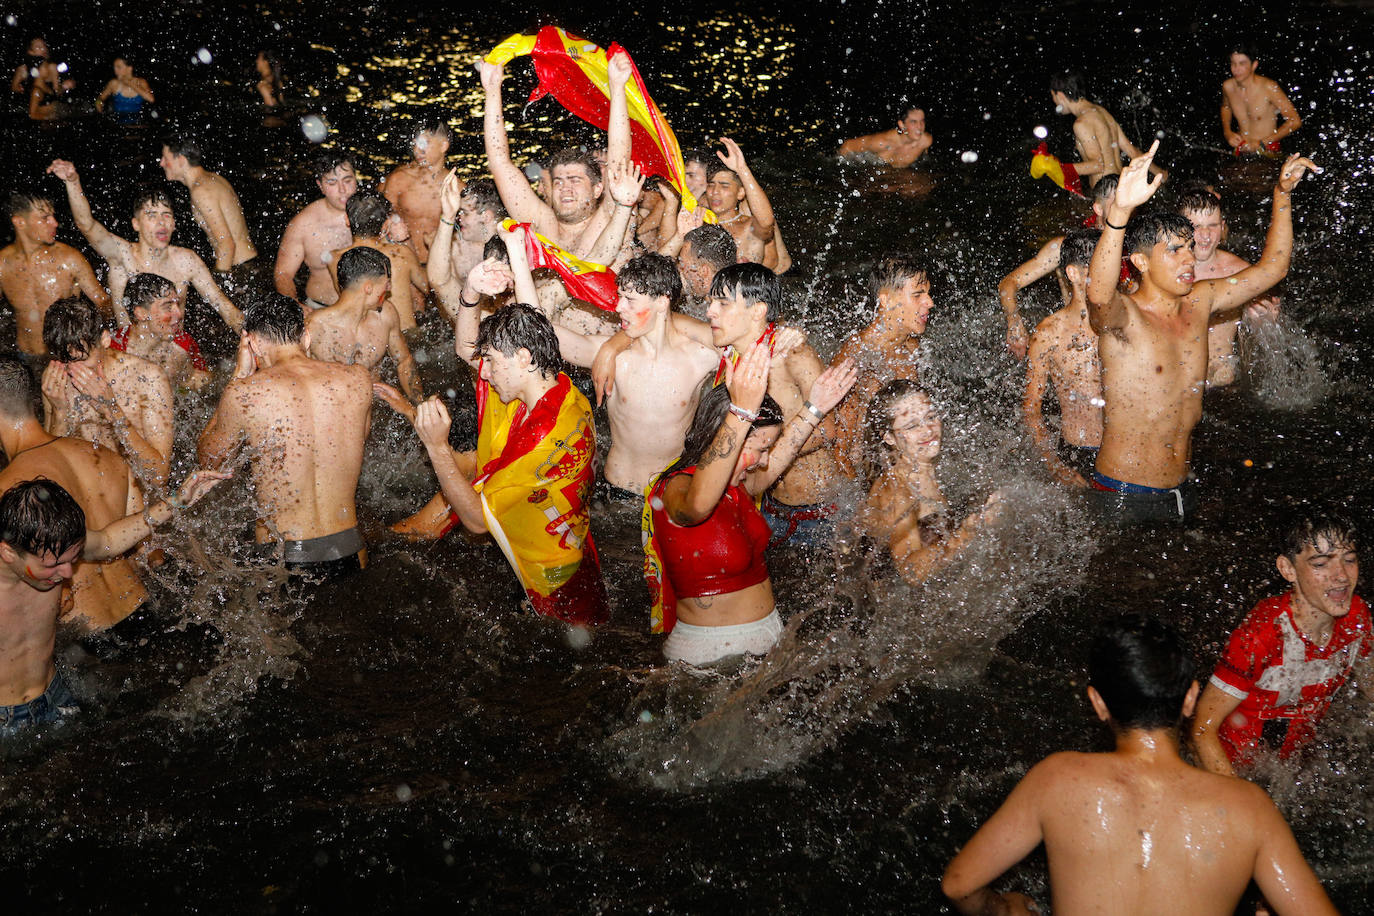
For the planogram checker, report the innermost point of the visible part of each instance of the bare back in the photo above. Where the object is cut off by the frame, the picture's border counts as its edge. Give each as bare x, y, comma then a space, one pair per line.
1069, 349
1098, 137
336, 336
217, 211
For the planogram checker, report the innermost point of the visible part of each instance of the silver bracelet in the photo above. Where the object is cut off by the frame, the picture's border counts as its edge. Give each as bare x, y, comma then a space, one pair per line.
813, 410
748, 416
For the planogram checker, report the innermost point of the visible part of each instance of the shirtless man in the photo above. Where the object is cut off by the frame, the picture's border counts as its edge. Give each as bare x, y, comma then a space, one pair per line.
884, 350
1045, 262
1203, 210
1153, 343
413, 188
367, 212
1100, 140
317, 234
36, 269
362, 326
1063, 352
729, 183
151, 253
475, 210
214, 205
304, 423
899, 147
1255, 104
102, 395
578, 215
705, 251
157, 334
1121, 829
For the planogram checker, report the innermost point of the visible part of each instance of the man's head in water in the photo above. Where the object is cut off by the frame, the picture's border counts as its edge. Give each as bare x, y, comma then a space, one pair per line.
153, 302
1139, 676
576, 185
647, 286
513, 344
705, 251
431, 143
367, 213
179, 156
1202, 208
1160, 245
901, 286
697, 162
42, 529
1066, 88
912, 122
1076, 256
72, 331
32, 217
1319, 557
479, 210
153, 221
365, 270
336, 178
724, 190
744, 298
1243, 62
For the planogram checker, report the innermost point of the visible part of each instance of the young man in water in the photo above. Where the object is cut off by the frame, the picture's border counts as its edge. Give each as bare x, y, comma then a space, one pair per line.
304, 423
884, 350
1255, 104
1284, 664
1153, 343
703, 253
214, 205
317, 234
157, 334
362, 326
1045, 262
729, 184
1121, 829
900, 147
1101, 141
413, 188
468, 217
1063, 352
36, 269
151, 252
1202, 208
368, 212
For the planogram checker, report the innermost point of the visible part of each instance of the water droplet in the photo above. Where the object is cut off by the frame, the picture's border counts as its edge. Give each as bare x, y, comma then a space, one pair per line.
403, 792
314, 128
1041, 131
203, 55
969, 156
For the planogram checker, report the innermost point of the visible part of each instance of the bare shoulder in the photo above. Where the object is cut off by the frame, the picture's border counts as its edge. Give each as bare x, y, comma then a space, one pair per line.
1229, 262
136, 370
184, 258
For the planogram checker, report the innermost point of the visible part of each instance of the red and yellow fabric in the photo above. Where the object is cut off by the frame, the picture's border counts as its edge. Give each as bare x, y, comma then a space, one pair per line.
534, 478
1044, 165
730, 356
574, 71
662, 599
586, 280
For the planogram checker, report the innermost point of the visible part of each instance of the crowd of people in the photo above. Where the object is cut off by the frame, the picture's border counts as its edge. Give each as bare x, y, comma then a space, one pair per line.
729, 435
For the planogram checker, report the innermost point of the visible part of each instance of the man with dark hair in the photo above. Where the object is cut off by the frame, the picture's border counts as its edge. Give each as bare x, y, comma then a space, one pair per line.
1101, 141
36, 269
899, 147
729, 184
1255, 103
362, 326
304, 423
214, 205
1121, 829
885, 349
706, 250
152, 251
317, 234
529, 481
468, 216
413, 188
1153, 343
1284, 664
368, 212
1063, 353
157, 334
96, 393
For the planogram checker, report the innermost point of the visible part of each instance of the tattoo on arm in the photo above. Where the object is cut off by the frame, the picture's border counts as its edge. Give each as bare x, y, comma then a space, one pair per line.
721, 447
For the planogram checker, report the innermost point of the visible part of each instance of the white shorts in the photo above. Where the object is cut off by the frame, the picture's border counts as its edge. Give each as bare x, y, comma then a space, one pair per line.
703, 645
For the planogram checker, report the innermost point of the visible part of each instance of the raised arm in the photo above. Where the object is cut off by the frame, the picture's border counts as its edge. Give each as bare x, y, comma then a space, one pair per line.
761, 211
826, 392
439, 267
1042, 265
487, 278
211, 293
624, 181
110, 246
618, 121
519, 198
1107, 307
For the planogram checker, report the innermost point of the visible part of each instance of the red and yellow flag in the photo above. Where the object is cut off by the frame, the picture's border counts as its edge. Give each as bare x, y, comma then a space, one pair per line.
574, 71
1061, 173
587, 280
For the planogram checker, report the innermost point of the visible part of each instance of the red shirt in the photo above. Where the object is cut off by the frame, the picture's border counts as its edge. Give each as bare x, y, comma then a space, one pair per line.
721, 555
119, 340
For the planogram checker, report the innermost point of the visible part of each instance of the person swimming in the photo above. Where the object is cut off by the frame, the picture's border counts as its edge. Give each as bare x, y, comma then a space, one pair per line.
125, 96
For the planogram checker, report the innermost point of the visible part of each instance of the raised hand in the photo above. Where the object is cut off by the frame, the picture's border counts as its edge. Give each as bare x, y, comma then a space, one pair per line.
90, 382
618, 69
687, 220
832, 385
490, 277
624, 181
491, 75
450, 194
1135, 186
63, 170
1293, 170
432, 422
747, 379
733, 157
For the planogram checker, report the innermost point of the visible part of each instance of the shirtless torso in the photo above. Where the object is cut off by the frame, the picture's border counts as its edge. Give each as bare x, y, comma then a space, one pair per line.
34, 277
413, 190
315, 237
217, 211
899, 147
409, 283
1255, 104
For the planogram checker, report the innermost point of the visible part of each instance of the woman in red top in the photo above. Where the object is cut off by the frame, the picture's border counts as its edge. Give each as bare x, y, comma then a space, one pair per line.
708, 531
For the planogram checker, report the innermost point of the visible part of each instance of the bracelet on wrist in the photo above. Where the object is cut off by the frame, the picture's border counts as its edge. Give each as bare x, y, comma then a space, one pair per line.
446, 222
465, 303
1111, 225
748, 416
813, 410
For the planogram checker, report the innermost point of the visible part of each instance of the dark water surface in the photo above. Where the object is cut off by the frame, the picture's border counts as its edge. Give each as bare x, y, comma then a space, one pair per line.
407, 742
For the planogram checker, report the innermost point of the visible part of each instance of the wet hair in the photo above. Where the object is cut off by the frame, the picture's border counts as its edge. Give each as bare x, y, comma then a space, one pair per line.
150, 195
1105, 188
877, 454
482, 194
496, 248
181, 146
1077, 248
1071, 84
359, 263
143, 290
16, 388
434, 126
1139, 667
1198, 198
327, 161
1246, 48
1147, 230
1335, 528
18, 203
651, 275
713, 403
700, 154
128, 59
754, 282
892, 271
71, 329
274, 317
906, 110
39, 517
715, 167
713, 244
573, 156
516, 326
367, 212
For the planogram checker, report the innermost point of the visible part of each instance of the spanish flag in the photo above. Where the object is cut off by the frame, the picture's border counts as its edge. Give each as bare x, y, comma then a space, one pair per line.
592, 282
1061, 173
573, 70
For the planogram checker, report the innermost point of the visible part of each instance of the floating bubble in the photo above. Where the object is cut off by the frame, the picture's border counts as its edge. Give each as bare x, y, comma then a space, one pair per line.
403, 792
276, 26
969, 156
203, 55
578, 637
1159, 134
1041, 131
62, 67
987, 116
11, 19
314, 128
